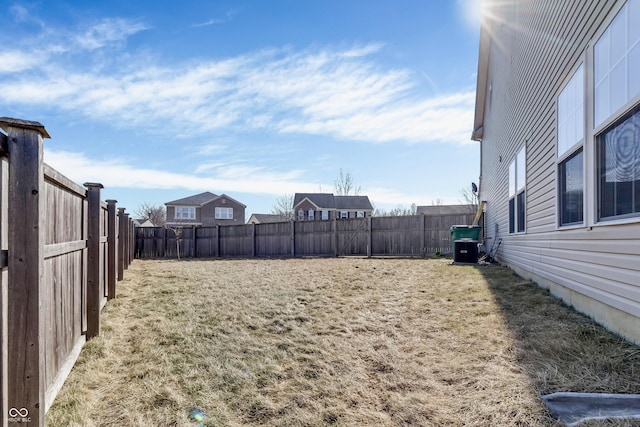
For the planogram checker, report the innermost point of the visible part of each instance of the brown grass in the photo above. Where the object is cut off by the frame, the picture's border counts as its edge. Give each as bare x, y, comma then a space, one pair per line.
350, 341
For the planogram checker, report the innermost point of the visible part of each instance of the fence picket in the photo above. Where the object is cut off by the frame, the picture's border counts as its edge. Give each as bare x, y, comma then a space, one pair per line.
415, 235
45, 279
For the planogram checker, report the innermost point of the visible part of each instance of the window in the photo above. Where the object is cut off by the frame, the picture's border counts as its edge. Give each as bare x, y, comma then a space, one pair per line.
223, 213
571, 189
617, 63
618, 151
185, 212
571, 125
360, 214
325, 215
616, 58
300, 215
517, 185
311, 214
344, 215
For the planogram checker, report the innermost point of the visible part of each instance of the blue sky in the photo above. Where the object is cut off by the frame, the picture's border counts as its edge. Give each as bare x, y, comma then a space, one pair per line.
159, 100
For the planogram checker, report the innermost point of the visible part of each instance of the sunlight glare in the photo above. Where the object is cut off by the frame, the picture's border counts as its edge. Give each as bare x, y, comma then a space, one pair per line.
471, 11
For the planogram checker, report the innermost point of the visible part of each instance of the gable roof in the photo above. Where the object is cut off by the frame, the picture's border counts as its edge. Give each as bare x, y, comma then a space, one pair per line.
267, 218
329, 201
353, 202
446, 209
196, 200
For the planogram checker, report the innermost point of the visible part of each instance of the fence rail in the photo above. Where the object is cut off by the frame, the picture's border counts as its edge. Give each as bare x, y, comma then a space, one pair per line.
59, 258
416, 235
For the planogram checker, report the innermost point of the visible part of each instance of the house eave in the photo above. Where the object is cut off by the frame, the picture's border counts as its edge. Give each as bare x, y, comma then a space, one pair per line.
482, 82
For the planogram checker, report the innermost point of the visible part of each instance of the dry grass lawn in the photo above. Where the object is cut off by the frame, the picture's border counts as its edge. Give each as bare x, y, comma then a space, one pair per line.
349, 341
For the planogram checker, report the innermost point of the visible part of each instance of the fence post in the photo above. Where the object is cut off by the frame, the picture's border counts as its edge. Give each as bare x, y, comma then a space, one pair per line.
4, 306
93, 259
253, 240
218, 240
293, 239
121, 242
335, 237
112, 247
369, 237
423, 241
26, 364
132, 240
127, 237
193, 245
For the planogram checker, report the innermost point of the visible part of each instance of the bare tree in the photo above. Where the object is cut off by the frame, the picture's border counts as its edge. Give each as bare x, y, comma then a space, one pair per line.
154, 213
470, 197
397, 211
344, 185
284, 206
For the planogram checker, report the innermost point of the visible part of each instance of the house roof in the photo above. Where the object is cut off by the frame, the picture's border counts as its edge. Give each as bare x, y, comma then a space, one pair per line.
142, 223
201, 200
266, 218
352, 202
195, 200
446, 209
482, 81
329, 201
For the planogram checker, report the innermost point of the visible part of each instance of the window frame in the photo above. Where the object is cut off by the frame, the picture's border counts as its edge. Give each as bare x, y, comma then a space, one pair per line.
566, 151
324, 215
517, 205
617, 114
311, 214
218, 212
191, 210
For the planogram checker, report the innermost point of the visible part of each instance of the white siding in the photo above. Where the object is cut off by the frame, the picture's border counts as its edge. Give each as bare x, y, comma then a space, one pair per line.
535, 47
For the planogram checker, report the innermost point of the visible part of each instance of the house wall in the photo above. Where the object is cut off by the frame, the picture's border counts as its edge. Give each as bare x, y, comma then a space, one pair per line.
536, 46
207, 212
171, 217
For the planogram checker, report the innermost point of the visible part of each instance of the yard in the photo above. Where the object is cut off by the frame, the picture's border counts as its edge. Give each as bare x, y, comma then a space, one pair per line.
346, 341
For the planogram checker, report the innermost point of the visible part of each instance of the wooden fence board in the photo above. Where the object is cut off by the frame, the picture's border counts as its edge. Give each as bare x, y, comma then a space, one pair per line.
4, 278
416, 235
44, 235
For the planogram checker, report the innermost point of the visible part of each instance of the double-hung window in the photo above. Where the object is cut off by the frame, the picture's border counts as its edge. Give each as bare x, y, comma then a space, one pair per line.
517, 196
616, 58
223, 213
185, 212
325, 215
311, 215
570, 148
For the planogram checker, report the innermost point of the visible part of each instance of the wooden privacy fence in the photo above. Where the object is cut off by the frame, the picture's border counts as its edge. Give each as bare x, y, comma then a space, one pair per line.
416, 235
62, 251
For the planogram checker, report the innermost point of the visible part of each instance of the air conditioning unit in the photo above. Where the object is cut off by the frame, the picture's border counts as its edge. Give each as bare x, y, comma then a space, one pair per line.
465, 250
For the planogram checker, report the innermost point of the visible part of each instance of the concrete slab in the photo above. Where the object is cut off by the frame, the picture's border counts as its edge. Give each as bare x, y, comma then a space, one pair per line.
573, 408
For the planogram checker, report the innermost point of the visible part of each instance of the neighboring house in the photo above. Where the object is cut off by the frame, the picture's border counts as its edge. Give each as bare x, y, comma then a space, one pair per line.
558, 119
206, 209
325, 206
267, 218
142, 223
446, 209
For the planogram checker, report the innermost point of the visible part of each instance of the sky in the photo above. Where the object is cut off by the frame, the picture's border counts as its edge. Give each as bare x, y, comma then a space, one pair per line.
159, 100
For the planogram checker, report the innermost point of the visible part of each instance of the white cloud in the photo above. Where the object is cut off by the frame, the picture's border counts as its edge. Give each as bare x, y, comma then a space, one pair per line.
223, 178
107, 32
328, 91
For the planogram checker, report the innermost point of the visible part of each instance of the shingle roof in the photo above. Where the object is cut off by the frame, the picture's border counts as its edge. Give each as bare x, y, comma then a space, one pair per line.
352, 202
329, 201
196, 200
446, 209
266, 218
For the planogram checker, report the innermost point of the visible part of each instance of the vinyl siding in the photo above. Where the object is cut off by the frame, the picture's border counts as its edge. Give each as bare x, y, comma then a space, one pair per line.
536, 46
